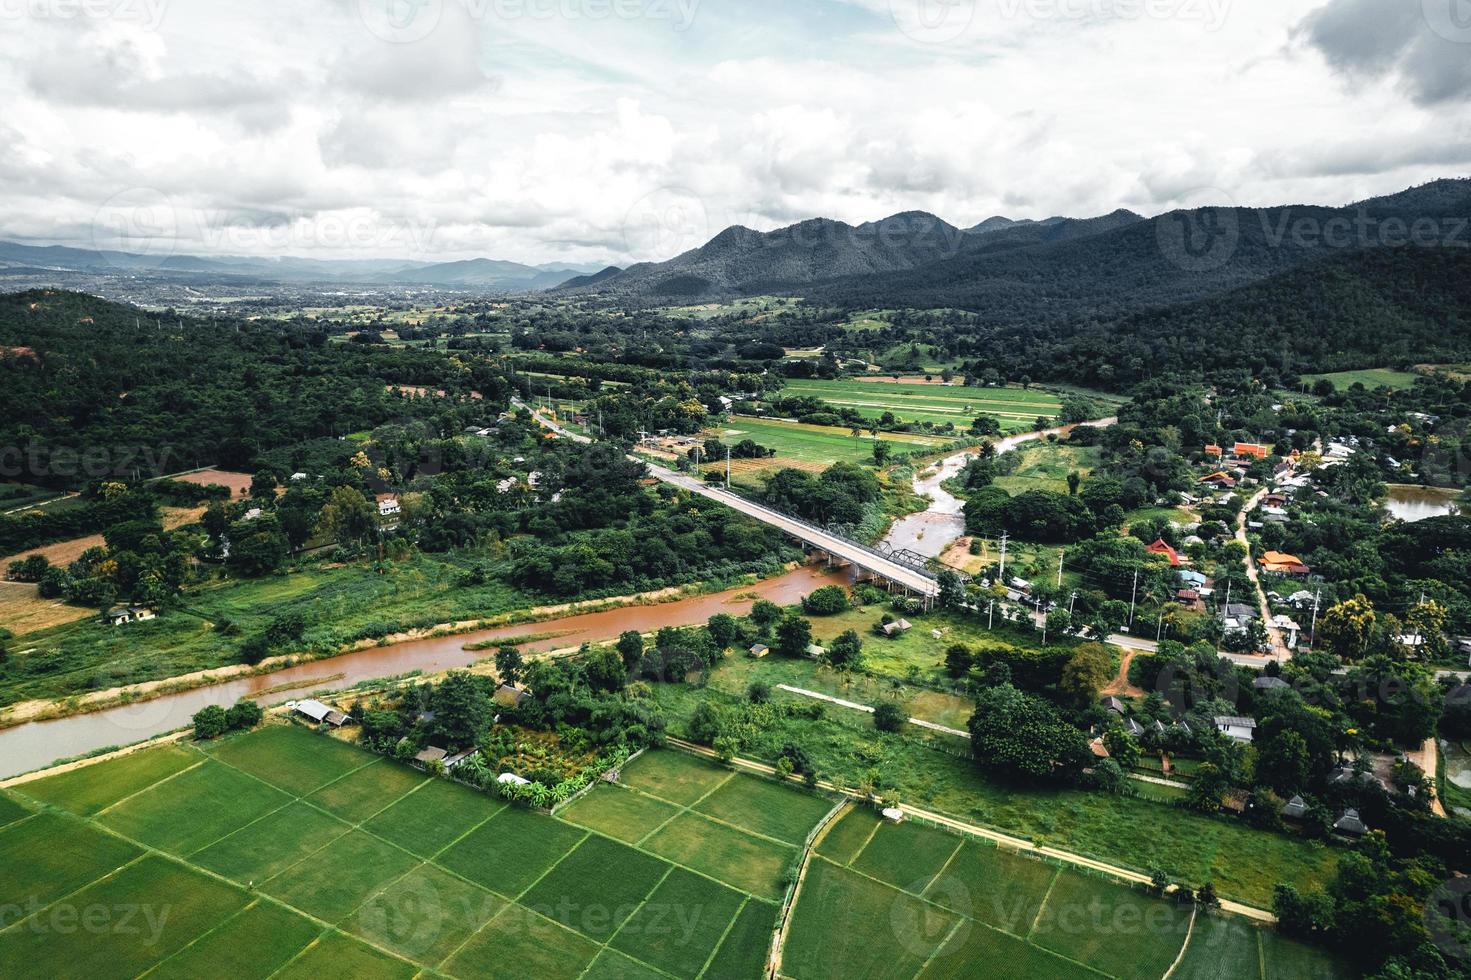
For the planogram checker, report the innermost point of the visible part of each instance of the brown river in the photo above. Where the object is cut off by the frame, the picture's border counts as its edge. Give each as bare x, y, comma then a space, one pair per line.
31, 746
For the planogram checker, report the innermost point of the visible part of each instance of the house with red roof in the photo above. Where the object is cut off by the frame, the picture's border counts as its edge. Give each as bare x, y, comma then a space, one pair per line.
1161, 547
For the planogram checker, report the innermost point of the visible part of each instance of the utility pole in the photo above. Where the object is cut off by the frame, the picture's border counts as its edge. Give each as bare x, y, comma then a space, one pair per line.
1133, 594
1072, 601
990, 613
1226, 608
1059, 568
1313, 632
1004, 535
727, 467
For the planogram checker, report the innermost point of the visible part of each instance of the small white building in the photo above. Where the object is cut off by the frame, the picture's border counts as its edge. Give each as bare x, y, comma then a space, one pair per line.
1232, 726
511, 777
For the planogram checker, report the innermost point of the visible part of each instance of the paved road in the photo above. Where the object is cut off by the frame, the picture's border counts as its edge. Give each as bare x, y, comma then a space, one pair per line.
918, 582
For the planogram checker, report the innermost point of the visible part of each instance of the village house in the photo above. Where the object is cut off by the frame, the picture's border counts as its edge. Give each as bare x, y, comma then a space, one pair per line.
1251, 450
1281, 563
128, 614
318, 712
1237, 727
1162, 548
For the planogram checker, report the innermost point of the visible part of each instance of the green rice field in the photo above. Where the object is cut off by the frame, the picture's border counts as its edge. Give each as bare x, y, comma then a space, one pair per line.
819, 444
285, 853
910, 901
1017, 409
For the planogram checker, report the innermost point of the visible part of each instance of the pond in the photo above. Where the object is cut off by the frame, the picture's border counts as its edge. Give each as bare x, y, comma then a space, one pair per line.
1412, 503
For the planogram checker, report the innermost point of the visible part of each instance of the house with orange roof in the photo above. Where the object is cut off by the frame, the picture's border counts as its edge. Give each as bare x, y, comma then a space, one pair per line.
1215, 451
1282, 563
1251, 450
1220, 479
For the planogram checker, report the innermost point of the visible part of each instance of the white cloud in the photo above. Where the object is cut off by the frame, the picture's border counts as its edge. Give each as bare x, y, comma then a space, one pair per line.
549, 132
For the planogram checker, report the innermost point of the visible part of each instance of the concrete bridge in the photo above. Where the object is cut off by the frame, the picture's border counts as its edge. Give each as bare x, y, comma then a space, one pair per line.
900, 569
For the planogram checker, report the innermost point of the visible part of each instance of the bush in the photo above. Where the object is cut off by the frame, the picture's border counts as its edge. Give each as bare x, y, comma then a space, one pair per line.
888, 716
29, 569
210, 721
830, 600
759, 692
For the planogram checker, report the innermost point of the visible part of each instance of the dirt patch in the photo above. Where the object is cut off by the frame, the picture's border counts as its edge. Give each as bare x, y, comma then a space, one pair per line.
23, 611
66, 552
890, 380
958, 556
1120, 687
237, 483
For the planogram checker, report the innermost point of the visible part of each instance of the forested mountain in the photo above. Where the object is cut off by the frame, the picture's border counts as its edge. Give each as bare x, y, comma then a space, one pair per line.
1026, 273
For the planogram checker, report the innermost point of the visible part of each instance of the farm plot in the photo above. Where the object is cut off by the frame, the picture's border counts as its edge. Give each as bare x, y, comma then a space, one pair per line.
910, 901
297, 855
1017, 409
823, 444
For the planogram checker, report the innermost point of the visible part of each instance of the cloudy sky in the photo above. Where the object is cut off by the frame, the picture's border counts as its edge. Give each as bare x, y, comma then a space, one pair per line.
612, 130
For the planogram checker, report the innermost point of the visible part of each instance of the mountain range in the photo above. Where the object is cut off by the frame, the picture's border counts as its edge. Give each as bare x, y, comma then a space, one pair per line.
488, 274
1013, 272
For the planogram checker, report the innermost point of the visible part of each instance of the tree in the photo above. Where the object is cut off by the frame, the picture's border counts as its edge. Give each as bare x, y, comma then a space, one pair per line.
888, 716
1206, 898
631, 648
724, 630
1021, 736
1207, 789
348, 518
1074, 480
959, 660
1347, 628
1121, 748
508, 664
1086, 672
1284, 762
846, 651
605, 671
462, 708
793, 637
952, 590
210, 722
830, 600
244, 714
765, 613
882, 452
758, 692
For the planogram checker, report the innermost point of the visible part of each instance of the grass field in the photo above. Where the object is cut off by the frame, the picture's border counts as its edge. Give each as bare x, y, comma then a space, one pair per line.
284, 853
819, 443
1046, 465
1017, 409
1369, 377
909, 901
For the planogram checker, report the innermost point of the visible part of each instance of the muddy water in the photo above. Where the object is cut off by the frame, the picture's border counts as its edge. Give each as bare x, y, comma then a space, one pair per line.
931, 531
1410, 503
27, 747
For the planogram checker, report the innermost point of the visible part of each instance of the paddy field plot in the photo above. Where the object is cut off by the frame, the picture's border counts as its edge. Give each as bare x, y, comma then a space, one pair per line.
818, 444
1017, 409
299, 855
912, 901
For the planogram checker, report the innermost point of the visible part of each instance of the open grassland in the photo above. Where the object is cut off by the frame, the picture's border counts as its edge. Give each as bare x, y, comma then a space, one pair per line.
286, 853
342, 602
1369, 377
1045, 465
1017, 409
911, 901
820, 443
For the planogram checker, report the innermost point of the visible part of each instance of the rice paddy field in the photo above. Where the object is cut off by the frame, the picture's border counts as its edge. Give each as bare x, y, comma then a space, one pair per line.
819, 444
908, 901
285, 853
1017, 409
